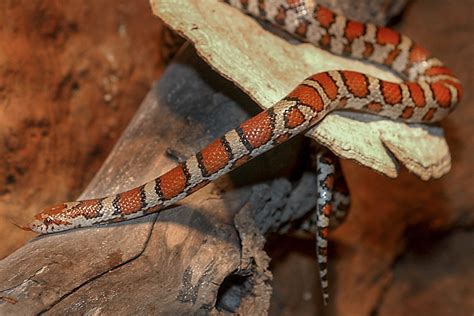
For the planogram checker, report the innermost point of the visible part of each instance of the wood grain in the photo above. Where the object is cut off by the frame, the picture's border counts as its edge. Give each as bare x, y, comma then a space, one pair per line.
186, 259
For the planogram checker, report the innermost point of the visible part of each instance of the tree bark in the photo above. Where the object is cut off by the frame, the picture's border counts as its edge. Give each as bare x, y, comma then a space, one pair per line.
205, 255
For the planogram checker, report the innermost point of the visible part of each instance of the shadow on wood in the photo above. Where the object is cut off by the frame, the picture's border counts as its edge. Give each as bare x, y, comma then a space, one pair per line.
205, 254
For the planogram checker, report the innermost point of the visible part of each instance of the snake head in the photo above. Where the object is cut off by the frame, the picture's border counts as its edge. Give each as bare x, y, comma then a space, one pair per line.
36, 226
49, 220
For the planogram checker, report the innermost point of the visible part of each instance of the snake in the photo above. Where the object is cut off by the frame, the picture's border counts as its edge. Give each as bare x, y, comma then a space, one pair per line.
428, 93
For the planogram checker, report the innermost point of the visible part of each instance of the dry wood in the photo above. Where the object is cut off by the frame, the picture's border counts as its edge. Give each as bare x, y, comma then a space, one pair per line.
189, 258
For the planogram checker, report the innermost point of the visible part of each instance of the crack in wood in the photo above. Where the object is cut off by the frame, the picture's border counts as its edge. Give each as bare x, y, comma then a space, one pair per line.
96, 277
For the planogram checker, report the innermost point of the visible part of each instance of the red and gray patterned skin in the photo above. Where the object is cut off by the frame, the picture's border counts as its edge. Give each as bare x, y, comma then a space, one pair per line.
429, 93
332, 207
333, 203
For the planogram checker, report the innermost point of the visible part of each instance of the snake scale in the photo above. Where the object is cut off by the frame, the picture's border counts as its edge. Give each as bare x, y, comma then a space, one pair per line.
430, 91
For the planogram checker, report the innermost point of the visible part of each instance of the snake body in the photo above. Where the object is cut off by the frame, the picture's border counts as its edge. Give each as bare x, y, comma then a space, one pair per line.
430, 91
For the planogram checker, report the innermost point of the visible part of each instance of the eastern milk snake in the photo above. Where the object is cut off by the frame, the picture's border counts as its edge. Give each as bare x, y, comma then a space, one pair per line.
430, 91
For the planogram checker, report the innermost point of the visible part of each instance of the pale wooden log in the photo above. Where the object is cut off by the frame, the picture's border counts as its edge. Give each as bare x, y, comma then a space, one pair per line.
267, 66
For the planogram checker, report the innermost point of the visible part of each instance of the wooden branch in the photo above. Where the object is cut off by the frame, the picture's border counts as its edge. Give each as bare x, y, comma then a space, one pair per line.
189, 258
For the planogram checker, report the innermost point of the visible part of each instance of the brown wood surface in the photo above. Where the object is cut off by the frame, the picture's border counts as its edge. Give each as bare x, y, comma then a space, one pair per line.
175, 262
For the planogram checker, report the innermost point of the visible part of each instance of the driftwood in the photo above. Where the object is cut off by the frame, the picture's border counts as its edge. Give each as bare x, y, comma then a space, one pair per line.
188, 259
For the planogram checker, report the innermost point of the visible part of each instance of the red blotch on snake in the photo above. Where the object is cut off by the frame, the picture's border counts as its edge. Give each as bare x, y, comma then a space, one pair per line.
441, 94
258, 129
130, 201
356, 83
416, 93
294, 118
214, 156
391, 92
173, 182
354, 30
308, 96
324, 16
387, 36
418, 53
328, 85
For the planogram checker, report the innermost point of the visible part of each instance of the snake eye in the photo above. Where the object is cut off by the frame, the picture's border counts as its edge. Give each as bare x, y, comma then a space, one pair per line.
48, 221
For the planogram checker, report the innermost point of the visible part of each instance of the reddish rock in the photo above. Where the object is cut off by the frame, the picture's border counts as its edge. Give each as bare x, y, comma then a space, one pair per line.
71, 77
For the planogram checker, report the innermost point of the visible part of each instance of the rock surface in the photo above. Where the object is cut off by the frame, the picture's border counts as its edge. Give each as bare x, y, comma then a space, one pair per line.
71, 77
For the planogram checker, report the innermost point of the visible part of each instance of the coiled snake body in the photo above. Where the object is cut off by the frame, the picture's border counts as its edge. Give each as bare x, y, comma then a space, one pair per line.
429, 93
